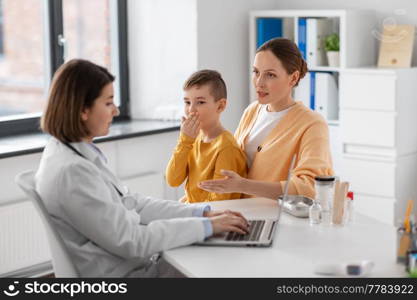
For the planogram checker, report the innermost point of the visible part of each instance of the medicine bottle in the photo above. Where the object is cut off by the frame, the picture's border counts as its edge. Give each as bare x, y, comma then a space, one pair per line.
324, 186
315, 213
349, 207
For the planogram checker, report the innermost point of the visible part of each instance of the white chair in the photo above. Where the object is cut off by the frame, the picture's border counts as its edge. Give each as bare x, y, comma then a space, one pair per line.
61, 261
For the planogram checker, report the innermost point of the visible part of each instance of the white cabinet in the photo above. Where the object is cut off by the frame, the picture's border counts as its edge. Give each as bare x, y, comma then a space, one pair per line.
360, 173
378, 131
361, 91
357, 48
374, 128
148, 184
140, 163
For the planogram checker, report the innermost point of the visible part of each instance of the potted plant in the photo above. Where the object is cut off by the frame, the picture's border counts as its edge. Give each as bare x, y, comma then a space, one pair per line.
332, 49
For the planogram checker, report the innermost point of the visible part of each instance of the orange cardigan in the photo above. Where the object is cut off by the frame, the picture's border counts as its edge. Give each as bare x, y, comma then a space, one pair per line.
301, 131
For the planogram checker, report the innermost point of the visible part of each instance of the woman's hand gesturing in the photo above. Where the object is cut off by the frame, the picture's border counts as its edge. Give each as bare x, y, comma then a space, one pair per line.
232, 183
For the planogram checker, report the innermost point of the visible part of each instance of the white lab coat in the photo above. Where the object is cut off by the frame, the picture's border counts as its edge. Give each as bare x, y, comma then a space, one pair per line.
107, 235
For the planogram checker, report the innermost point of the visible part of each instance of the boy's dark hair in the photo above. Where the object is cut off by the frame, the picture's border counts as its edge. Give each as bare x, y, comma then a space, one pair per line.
213, 78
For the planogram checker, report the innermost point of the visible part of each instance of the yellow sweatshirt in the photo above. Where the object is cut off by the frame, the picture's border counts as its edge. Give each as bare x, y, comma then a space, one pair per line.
196, 161
301, 131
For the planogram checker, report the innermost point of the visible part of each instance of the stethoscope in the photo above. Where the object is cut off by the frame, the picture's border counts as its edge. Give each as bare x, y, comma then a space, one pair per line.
80, 154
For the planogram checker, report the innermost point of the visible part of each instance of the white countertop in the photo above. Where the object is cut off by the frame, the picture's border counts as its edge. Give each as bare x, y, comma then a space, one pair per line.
296, 250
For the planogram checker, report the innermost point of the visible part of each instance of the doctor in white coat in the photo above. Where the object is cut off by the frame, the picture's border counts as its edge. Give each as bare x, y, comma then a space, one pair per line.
108, 231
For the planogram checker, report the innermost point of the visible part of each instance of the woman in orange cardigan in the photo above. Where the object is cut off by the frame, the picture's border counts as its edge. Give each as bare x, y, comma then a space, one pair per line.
275, 128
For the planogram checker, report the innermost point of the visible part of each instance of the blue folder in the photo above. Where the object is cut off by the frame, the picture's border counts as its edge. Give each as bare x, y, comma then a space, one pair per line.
313, 90
267, 28
302, 36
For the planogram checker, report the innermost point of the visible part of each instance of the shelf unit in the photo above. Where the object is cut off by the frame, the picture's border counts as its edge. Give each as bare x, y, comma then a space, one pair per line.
357, 48
357, 45
324, 69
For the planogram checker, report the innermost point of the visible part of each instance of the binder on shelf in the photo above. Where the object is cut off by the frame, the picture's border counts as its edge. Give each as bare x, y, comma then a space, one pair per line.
326, 95
313, 90
267, 28
302, 91
305, 91
302, 37
316, 32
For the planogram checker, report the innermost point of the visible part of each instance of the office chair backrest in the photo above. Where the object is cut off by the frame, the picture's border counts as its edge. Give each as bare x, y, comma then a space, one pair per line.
61, 261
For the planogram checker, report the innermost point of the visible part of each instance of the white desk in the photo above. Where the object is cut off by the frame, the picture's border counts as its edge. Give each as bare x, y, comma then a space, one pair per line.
297, 247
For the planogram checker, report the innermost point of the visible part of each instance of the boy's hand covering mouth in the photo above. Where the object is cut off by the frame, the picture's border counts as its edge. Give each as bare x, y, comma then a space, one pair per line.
191, 126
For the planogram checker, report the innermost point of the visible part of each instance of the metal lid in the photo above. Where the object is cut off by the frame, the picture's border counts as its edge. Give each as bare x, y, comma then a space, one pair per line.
325, 178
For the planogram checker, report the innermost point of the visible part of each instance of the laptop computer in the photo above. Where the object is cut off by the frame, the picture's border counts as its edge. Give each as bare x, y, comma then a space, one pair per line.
261, 231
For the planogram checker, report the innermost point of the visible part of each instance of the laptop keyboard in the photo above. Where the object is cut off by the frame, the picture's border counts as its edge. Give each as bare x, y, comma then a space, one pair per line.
255, 230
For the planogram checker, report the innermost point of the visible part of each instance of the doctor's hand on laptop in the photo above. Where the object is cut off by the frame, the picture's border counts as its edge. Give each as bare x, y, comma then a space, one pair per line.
226, 221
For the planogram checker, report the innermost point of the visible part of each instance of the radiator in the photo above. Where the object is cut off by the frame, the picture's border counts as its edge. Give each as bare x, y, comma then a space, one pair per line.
24, 249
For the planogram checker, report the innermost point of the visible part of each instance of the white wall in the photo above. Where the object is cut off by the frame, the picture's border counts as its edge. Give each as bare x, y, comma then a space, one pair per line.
387, 11
162, 54
223, 44
168, 40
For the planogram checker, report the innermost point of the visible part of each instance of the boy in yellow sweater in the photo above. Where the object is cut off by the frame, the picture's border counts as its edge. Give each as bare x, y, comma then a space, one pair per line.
204, 147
